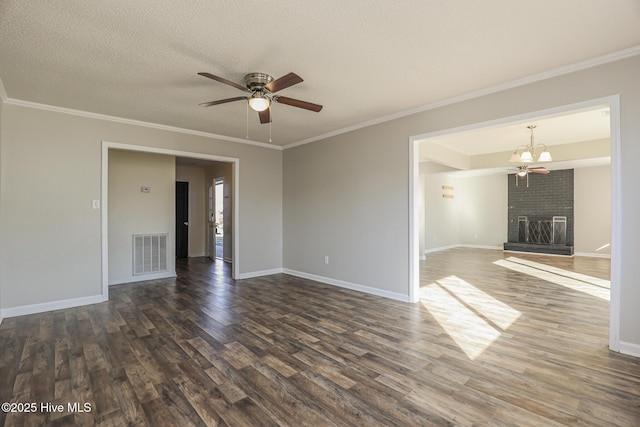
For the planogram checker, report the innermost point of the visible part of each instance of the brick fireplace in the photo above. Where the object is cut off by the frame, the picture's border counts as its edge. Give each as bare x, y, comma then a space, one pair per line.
540, 216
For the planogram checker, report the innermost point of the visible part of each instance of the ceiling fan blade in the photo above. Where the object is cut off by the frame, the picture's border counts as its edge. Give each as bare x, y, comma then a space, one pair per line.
297, 103
265, 116
222, 101
283, 82
225, 81
542, 171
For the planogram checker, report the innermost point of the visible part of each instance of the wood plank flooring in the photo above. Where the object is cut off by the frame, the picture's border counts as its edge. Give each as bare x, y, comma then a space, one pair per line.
498, 339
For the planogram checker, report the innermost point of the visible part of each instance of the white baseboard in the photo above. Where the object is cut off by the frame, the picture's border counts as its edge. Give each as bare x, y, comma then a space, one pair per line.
261, 273
630, 348
347, 285
197, 254
441, 248
143, 278
461, 245
229, 260
50, 306
592, 255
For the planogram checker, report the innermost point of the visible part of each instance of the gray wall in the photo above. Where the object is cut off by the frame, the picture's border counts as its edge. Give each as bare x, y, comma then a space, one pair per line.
347, 195
133, 212
1, 180
51, 170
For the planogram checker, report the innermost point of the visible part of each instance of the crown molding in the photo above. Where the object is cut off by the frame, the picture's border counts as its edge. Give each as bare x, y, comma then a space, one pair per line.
590, 63
87, 114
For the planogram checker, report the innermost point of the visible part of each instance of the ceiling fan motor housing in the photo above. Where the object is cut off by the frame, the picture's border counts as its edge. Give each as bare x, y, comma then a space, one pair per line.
257, 81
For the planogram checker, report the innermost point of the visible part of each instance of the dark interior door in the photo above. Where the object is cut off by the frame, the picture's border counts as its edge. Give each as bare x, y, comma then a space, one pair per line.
182, 219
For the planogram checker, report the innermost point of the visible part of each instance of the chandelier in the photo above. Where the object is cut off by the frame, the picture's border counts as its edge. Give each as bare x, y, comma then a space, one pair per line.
527, 153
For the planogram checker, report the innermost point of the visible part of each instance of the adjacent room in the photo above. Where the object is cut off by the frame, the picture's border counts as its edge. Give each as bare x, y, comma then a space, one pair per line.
360, 214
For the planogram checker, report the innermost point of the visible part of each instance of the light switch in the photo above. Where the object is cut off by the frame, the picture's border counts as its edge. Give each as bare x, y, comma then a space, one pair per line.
95, 204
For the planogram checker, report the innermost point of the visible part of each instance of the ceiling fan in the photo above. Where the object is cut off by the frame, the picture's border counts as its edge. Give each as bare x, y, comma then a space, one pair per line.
524, 171
262, 88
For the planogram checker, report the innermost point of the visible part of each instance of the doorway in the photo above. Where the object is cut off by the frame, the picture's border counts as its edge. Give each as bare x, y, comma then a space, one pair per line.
182, 219
219, 217
414, 158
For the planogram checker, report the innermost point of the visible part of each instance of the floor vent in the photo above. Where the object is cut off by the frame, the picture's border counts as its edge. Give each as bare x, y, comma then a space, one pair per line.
149, 253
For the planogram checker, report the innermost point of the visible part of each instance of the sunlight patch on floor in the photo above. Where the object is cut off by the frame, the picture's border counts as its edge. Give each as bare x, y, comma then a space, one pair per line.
590, 285
471, 317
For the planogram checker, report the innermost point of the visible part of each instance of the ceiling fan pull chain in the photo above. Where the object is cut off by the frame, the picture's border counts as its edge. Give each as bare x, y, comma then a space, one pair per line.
247, 120
270, 121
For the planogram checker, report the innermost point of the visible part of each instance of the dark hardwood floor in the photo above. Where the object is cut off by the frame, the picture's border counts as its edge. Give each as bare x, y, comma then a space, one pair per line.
497, 339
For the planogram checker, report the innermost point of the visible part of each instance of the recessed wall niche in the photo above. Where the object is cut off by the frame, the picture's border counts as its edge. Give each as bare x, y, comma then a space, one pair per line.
541, 215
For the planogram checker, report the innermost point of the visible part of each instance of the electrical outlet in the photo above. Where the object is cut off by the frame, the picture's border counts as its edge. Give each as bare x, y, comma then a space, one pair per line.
326, 259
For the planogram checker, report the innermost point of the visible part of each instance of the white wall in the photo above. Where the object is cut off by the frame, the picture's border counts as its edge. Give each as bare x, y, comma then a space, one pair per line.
133, 212
477, 215
442, 215
483, 210
197, 207
348, 195
51, 171
592, 206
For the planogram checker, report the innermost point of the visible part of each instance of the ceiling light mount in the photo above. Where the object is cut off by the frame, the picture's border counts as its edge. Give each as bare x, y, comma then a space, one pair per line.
527, 153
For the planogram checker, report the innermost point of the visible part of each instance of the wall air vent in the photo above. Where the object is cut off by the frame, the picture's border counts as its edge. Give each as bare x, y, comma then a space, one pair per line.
149, 253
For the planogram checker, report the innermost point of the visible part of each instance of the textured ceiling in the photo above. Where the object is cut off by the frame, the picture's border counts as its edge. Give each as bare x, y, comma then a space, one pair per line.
362, 60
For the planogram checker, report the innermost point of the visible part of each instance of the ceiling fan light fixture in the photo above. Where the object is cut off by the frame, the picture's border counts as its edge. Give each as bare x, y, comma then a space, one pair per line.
522, 173
259, 102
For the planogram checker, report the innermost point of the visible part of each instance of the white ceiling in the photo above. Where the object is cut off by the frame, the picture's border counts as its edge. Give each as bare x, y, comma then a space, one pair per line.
578, 126
362, 60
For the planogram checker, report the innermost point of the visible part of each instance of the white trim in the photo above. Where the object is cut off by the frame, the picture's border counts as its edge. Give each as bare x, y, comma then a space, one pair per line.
252, 274
616, 223
590, 63
490, 247
413, 294
50, 306
462, 245
3, 97
235, 200
197, 255
630, 349
347, 285
143, 278
616, 208
441, 248
591, 255
87, 114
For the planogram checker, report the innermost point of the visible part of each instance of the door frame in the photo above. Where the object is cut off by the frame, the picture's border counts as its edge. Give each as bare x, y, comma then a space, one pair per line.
616, 198
104, 193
